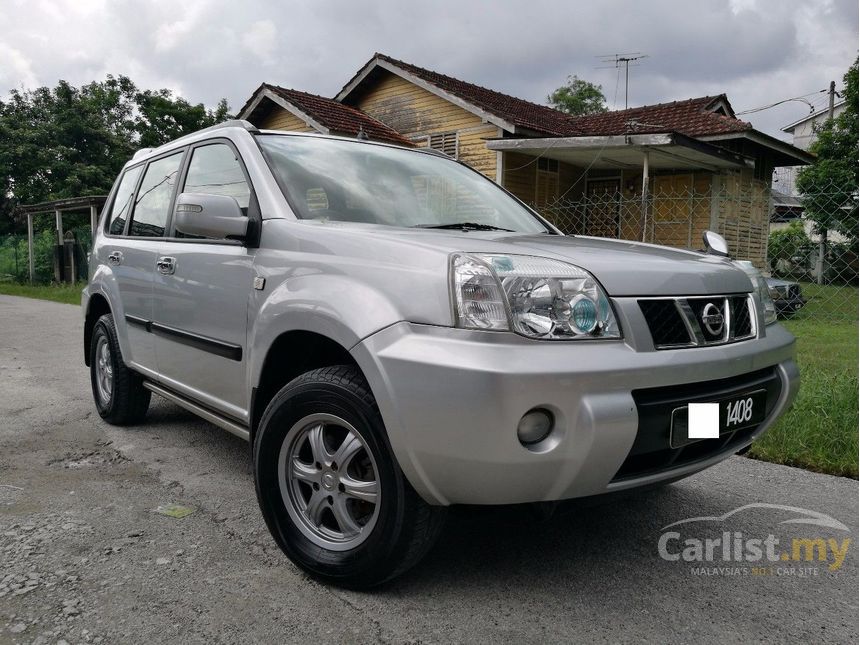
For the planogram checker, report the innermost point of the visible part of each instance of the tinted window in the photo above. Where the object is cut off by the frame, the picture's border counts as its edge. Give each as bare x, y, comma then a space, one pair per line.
154, 196
215, 170
122, 201
351, 181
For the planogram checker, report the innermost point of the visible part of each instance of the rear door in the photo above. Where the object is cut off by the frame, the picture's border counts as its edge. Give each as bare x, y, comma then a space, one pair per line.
202, 289
133, 256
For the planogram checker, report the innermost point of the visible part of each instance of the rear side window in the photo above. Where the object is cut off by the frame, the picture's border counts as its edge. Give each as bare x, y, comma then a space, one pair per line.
214, 169
122, 202
154, 197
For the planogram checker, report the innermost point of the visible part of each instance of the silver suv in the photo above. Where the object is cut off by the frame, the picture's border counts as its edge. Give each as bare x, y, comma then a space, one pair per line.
394, 333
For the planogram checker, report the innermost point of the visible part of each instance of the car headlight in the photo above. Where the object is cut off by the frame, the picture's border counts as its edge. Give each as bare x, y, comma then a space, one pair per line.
532, 296
768, 309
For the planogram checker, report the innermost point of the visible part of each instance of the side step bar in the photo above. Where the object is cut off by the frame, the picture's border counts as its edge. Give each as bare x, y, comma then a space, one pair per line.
212, 417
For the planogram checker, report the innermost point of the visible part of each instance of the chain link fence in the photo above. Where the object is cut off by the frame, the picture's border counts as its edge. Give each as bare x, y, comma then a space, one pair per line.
15, 257
812, 275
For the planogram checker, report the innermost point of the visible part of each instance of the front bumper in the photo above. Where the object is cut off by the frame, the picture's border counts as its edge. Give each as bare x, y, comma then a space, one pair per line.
451, 400
785, 307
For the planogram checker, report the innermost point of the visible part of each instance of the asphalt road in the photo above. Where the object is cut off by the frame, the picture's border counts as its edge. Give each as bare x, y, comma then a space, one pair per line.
83, 557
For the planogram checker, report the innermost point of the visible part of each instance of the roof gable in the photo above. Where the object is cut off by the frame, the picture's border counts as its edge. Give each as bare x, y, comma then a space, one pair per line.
323, 114
507, 112
706, 115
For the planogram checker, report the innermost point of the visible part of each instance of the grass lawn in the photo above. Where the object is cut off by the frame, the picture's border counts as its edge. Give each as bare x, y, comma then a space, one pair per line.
820, 432
67, 293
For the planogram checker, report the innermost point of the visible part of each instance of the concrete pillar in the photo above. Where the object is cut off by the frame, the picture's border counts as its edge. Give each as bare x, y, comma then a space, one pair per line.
59, 217
94, 219
30, 260
645, 162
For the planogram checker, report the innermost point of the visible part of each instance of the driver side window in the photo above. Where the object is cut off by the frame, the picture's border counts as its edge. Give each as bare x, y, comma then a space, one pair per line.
215, 170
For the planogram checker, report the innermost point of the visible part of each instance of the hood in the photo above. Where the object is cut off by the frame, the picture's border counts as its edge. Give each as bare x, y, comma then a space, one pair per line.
623, 268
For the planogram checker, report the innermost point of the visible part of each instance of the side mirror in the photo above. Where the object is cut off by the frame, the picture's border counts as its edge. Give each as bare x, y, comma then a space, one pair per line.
715, 244
216, 217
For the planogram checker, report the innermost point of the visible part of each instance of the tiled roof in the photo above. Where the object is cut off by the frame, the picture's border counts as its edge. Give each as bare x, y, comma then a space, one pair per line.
337, 117
691, 117
518, 112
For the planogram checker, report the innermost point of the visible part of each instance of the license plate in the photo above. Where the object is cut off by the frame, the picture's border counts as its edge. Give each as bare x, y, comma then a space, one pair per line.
736, 412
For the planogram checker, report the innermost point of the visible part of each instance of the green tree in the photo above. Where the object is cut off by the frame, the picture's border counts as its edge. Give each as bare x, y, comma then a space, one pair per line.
163, 117
829, 186
71, 142
785, 244
578, 97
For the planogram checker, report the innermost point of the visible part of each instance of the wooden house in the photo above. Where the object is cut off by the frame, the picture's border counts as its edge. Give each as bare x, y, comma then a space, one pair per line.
660, 173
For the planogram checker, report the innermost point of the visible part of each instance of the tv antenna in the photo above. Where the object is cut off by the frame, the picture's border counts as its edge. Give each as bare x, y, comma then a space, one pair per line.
614, 61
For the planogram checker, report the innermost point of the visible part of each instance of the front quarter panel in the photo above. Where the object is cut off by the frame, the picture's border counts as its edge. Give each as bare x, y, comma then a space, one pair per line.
337, 307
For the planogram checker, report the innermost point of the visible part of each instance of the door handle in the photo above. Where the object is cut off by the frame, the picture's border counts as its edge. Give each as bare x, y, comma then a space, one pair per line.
115, 258
166, 265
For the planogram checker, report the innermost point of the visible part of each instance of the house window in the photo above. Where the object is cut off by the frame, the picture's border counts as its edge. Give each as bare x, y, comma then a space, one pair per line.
546, 187
445, 142
550, 165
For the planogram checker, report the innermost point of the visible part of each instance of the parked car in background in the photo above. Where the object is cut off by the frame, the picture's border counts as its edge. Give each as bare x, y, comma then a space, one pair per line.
395, 333
786, 296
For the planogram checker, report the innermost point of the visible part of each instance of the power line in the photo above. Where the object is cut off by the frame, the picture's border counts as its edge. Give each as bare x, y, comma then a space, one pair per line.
801, 99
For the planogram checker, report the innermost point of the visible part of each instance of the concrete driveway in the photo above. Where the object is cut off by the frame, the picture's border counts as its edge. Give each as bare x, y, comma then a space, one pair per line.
83, 557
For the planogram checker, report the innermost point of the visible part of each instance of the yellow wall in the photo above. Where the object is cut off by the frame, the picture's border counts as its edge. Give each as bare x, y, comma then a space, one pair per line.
280, 119
743, 216
416, 113
518, 175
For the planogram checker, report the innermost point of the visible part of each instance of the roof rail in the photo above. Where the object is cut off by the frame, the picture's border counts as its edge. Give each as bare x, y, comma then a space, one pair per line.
435, 153
231, 123
141, 152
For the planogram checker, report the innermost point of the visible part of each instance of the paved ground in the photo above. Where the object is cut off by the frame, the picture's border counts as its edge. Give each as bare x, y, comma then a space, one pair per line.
83, 558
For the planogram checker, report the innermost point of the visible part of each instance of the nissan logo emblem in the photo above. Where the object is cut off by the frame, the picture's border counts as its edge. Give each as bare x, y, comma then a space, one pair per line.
712, 319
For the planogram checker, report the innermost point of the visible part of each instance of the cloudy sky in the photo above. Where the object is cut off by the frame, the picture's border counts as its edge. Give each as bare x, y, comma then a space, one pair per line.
757, 51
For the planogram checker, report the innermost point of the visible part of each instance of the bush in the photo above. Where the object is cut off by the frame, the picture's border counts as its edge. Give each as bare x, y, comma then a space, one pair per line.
842, 264
786, 246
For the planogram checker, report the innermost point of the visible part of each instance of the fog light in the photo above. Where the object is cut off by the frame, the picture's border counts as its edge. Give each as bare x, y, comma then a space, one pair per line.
535, 426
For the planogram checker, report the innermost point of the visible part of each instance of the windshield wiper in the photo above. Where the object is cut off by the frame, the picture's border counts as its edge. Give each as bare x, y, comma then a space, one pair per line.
465, 226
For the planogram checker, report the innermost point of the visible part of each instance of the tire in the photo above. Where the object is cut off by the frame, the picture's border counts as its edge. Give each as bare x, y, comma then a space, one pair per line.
124, 401
334, 533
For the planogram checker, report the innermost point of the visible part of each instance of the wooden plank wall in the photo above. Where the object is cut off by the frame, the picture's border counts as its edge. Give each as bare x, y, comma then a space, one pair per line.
280, 119
416, 113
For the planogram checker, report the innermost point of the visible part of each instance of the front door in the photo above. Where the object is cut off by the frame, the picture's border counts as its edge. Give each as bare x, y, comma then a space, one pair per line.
202, 288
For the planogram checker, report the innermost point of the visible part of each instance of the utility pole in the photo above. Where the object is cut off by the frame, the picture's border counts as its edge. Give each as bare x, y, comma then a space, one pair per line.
822, 234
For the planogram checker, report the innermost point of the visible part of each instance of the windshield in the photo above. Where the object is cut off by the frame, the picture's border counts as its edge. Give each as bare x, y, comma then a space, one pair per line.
351, 181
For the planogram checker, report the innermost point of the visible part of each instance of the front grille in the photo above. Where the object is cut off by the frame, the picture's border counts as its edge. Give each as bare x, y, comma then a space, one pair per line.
692, 322
742, 322
665, 322
651, 451
794, 292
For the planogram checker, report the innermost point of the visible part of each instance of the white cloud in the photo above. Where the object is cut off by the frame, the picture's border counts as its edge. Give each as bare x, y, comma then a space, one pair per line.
261, 40
208, 49
16, 71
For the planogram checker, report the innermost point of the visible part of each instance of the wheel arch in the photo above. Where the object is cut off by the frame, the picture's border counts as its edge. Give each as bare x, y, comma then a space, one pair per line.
291, 354
97, 307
